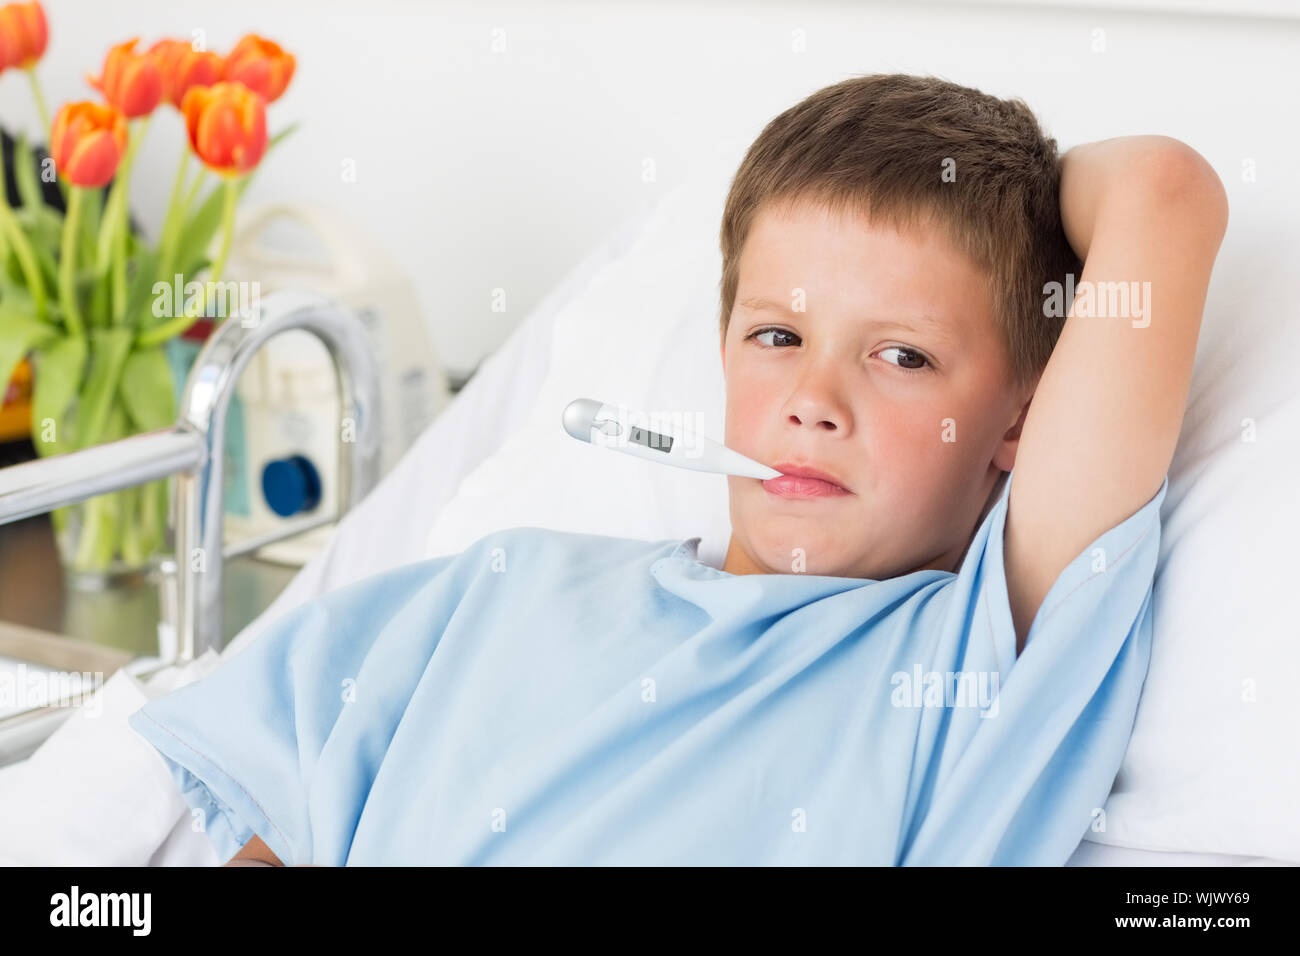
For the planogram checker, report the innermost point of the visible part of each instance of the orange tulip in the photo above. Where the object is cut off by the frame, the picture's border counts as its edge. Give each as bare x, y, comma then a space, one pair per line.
182, 66
24, 34
260, 65
226, 124
132, 81
87, 142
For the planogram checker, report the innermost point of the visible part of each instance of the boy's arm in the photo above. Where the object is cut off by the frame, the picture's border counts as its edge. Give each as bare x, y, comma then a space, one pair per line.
1100, 432
257, 853
254, 853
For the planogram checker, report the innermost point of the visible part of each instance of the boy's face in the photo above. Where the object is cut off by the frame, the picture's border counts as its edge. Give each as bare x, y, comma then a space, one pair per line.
917, 424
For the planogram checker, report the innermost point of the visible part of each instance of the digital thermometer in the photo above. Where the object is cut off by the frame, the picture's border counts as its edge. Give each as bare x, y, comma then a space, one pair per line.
600, 424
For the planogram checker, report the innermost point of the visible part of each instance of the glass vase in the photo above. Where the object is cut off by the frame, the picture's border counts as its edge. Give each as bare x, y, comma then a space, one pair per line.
117, 539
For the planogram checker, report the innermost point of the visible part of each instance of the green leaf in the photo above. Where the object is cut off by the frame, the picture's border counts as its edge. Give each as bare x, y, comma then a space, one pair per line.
281, 135
44, 229
147, 389
195, 268
49, 270
197, 235
16, 305
16, 300
109, 348
11, 273
19, 334
55, 381
147, 319
47, 220
140, 288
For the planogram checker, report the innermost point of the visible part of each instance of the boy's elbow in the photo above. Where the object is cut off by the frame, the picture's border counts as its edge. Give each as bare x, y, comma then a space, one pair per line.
1183, 181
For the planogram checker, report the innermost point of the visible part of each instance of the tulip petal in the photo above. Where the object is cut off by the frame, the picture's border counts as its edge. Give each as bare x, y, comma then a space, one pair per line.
94, 160
87, 141
226, 123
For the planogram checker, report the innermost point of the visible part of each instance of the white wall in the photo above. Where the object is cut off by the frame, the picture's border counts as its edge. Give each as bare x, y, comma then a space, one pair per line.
481, 169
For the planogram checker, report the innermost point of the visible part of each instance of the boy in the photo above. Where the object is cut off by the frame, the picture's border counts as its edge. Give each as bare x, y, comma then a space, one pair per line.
866, 679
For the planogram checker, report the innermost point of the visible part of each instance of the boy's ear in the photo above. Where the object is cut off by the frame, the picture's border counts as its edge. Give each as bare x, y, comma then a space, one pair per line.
1019, 423
1005, 458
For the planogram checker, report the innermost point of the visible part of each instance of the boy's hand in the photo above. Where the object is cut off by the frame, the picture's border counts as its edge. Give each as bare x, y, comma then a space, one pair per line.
1147, 215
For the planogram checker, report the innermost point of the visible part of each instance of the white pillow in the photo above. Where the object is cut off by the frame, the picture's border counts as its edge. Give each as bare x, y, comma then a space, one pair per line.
1214, 761
642, 333
1207, 771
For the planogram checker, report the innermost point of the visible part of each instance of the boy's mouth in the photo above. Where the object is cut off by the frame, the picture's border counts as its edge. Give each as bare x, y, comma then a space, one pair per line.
797, 481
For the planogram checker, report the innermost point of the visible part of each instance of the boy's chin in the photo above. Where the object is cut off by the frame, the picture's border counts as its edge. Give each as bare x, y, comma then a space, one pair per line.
787, 553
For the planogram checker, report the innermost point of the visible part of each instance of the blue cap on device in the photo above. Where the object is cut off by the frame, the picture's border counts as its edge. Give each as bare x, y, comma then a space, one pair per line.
291, 485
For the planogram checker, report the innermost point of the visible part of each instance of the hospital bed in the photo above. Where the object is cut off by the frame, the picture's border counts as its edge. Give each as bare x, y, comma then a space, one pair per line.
190, 450
1212, 775
461, 479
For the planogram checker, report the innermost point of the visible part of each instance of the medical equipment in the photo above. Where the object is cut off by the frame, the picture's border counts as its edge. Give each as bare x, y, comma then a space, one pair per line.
284, 412
607, 426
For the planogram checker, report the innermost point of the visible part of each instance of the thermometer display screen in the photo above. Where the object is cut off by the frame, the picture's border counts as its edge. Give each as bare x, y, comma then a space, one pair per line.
663, 443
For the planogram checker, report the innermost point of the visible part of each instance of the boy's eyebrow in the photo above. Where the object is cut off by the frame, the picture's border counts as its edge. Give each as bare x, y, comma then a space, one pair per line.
920, 324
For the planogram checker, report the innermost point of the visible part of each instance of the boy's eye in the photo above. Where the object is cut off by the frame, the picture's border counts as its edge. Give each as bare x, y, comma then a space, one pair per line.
772, 331
909, 356
910, 359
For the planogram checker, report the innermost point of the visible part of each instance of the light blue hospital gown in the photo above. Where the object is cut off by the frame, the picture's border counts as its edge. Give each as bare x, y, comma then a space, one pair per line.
548, 697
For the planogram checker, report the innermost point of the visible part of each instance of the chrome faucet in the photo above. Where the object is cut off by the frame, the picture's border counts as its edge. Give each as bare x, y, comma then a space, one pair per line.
191, 449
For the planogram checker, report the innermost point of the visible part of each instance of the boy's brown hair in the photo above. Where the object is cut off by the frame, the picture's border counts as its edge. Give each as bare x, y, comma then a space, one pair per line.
879, 145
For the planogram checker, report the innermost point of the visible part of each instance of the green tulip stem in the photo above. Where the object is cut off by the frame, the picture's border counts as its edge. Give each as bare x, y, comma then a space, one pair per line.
122, 224
115, 211
23, 250
67, 262
40, 101
199, 180
47, 126
175, 214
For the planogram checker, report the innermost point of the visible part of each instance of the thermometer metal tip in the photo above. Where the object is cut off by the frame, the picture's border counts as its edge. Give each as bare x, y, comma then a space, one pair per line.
583, 418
